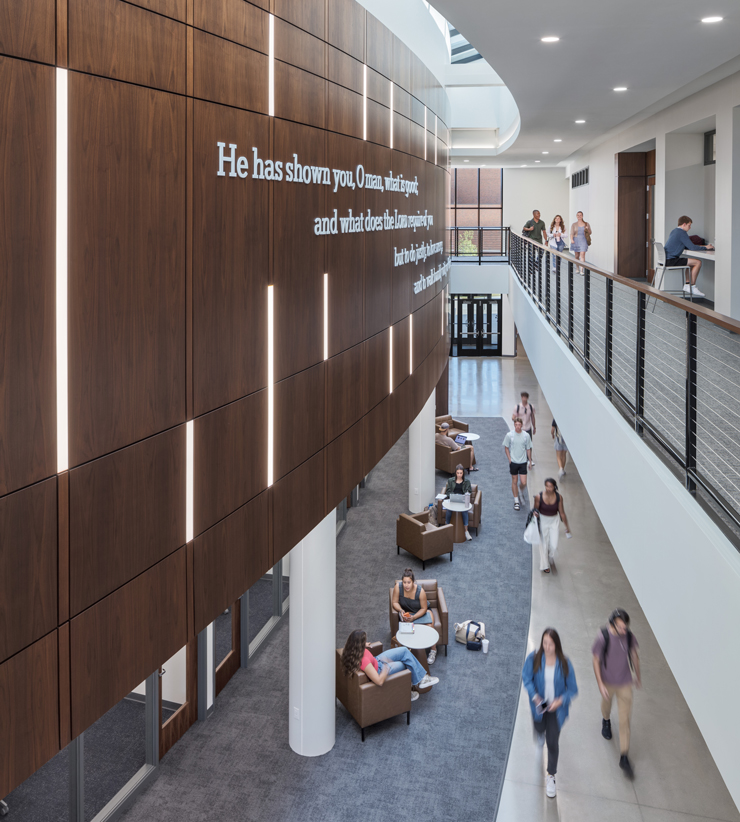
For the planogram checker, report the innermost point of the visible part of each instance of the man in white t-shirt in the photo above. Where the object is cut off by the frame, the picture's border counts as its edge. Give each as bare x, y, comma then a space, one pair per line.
525, 410
518, 447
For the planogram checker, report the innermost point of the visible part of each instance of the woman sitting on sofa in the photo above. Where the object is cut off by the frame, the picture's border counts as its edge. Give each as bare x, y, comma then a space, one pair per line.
458, 485
356, 658
410, 601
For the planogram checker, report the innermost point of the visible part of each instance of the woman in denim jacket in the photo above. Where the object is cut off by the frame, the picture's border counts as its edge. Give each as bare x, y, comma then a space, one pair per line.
550, 681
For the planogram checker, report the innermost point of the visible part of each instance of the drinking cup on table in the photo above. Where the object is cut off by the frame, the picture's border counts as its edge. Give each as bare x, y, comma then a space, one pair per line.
484, 642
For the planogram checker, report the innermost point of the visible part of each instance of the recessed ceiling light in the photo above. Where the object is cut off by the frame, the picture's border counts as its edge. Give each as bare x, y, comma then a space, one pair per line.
538, 161
621, 88
552, 39
545, 152
466, 161
712, 19
580, 121
523, 166
557, 141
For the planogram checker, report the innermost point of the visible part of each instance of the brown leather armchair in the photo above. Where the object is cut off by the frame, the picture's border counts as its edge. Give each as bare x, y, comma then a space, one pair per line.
474, 515
445, 459
413, 536
436, 603
369, 703
456, 427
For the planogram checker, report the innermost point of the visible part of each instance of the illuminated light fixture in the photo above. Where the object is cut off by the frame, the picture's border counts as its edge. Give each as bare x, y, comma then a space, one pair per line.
390, 328
189, 479
550, 39
712, 19
524, 165
538, 161
411, 343
466, 161
391, 82
326, 316
620, 88
61, 272
364, 102
425, 132
545, 152
270, 384
580, 122
557, 140
435, 139
271, 69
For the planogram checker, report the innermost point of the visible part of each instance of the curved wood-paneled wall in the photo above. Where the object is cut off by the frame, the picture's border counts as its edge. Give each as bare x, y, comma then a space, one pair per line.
169, 269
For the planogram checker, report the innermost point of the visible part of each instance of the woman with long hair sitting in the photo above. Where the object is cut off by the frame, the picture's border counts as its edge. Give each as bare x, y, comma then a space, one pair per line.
550, 681
356, 658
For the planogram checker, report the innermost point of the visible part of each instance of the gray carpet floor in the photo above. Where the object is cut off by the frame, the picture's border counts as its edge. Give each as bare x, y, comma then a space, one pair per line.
450, 763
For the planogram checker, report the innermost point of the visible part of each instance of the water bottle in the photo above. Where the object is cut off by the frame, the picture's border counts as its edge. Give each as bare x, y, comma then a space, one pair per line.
467, 497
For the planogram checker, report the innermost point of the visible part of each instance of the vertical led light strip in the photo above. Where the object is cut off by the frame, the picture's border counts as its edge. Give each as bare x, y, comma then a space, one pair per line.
326, 316
189, 479
411, 343
435, 139
391, 82
391, 359
426, 138
61, 273
364, 102
270, 384
271, 68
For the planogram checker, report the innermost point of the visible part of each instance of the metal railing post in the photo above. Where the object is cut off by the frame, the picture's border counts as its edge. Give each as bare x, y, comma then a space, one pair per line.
548, 263
570, 305
690, 402
640, 363
586, 319
557, 294
538, 252
480, 246
609, 336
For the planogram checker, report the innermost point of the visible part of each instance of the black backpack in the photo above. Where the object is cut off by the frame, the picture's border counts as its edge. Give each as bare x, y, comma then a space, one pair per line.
605, 633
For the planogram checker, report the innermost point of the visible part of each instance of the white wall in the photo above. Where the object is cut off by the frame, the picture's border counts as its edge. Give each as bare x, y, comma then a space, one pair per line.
684, 572
528, 188
684, 188
469, 278
720, 101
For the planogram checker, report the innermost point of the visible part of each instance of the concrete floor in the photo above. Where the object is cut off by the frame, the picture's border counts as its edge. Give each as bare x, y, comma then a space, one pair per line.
676, 779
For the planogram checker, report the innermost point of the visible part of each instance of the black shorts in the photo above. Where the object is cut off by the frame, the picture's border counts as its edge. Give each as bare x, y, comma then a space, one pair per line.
518, 468
677, 261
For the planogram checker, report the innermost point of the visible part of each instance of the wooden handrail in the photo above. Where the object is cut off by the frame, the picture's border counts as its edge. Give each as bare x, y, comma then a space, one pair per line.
707, 314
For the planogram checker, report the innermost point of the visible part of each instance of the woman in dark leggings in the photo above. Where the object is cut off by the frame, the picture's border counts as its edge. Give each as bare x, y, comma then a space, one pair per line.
550, 681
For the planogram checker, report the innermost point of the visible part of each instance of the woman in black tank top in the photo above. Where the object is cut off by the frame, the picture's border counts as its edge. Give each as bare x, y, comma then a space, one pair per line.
410, 602
549, 507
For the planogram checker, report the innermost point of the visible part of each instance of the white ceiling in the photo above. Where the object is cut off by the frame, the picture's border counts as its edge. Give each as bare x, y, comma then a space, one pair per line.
654, 47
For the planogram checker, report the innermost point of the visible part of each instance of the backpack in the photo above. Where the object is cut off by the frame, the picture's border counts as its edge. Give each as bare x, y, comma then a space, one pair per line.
605, 633
531, 409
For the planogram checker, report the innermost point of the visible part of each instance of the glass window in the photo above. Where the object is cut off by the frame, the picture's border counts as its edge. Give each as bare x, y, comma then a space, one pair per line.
467, 216
490, 216
490, 187
467, 187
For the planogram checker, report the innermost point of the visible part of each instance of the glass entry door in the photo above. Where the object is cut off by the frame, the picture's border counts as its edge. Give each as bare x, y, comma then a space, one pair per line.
476, 325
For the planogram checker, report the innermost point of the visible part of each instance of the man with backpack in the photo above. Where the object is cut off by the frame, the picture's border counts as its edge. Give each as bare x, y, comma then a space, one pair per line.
525, 410
617, 668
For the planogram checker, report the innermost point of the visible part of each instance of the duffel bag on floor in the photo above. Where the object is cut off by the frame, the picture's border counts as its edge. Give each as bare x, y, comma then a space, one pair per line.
470, 633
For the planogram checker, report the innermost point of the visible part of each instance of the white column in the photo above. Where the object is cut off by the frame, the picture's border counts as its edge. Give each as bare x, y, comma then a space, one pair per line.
421, 458
312, 702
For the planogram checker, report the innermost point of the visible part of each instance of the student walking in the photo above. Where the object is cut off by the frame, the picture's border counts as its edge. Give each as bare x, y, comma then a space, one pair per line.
550, 681
617, 668
525, 410
518, 447
580, 238
550, 509
561, 449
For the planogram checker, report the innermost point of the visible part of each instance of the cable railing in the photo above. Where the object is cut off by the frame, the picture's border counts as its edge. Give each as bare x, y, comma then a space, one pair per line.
478, 243
671, 367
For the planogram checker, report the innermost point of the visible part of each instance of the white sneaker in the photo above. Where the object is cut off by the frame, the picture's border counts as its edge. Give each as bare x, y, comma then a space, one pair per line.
467, 535
415, 695
432, 657
696, 293
560, 473
428, 681
551, 789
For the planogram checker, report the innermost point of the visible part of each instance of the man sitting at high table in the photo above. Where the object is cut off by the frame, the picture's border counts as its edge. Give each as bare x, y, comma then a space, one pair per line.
443, 438
676, 243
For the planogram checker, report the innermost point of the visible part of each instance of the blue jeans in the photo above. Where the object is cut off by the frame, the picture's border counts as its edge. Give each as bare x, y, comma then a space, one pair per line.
400, 658
448, 515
